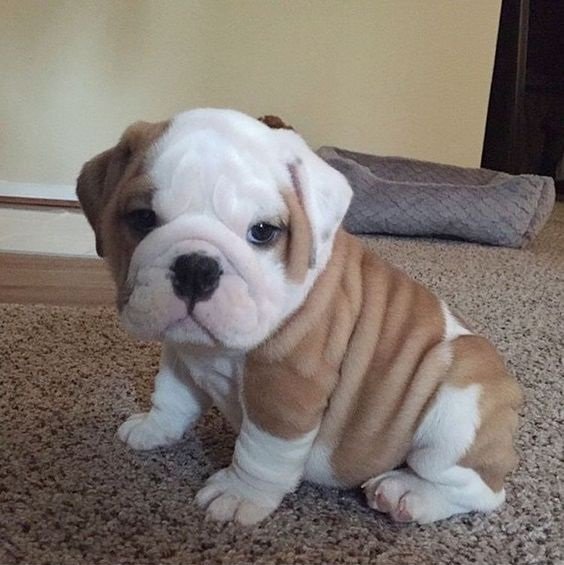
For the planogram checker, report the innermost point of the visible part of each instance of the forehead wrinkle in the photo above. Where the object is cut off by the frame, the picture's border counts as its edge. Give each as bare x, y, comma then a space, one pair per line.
210, 170
178, 194
246, 190
180, 177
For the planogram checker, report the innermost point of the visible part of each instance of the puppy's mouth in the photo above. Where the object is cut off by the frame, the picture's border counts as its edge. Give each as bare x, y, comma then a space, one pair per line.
190, 321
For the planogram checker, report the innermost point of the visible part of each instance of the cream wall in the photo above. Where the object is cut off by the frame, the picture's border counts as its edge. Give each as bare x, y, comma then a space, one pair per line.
406, 77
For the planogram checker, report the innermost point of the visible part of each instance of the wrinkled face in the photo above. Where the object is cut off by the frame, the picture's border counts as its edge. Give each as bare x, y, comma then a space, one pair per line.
215, 226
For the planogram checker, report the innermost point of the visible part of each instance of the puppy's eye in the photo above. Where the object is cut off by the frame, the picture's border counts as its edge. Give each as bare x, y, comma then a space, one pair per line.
262, 233
142, 221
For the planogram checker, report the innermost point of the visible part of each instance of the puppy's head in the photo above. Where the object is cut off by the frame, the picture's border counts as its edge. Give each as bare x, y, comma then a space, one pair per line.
214, 225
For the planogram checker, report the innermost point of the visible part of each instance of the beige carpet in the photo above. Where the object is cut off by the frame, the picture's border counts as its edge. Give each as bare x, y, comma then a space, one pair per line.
70, 493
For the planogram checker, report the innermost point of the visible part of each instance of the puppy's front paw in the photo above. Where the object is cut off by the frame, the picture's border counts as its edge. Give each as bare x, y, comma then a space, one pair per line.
142, 431
227, 498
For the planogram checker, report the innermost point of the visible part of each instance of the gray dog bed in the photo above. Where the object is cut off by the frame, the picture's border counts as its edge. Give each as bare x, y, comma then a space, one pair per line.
398, 196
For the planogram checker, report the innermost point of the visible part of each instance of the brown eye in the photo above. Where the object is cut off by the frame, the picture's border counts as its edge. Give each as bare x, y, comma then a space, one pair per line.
141, 221
262, 233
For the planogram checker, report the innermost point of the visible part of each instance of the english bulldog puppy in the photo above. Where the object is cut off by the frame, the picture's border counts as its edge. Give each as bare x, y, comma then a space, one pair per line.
225, 242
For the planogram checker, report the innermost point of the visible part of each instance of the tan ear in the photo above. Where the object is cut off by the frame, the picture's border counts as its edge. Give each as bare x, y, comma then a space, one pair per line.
322, 191
274, 122
90, 191
101, 175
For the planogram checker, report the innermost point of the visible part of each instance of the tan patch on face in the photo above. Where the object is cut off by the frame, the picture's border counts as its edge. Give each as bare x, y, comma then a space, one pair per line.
111, 184
134, 192
298, 239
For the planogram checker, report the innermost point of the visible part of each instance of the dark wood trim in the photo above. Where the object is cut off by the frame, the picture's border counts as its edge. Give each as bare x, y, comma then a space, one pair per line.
46, 279
27, 202
505, 110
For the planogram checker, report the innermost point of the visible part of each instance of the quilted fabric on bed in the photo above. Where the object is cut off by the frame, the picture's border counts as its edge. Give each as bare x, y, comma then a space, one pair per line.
398, 196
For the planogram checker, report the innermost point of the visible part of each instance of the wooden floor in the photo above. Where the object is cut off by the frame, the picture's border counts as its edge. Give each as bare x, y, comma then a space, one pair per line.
43, 279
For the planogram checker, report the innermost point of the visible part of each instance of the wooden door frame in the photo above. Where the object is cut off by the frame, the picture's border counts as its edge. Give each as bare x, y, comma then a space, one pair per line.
505, 110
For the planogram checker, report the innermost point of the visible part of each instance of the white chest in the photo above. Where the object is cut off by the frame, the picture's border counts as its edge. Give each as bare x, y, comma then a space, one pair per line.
220, 378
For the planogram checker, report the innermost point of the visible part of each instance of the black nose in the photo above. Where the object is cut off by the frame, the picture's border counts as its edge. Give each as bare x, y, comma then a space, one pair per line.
195, 276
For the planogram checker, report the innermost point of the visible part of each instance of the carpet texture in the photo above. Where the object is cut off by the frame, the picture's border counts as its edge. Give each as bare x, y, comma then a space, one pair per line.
70, 493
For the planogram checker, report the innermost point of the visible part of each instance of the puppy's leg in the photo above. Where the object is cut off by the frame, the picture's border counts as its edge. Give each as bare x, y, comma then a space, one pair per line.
408, 497
434, 487
282, 413
461, 451
263, 470
177, 403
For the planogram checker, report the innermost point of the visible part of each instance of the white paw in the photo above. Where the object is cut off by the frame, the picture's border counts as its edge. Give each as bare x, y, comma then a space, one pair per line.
225, 497
142, 431
406, 497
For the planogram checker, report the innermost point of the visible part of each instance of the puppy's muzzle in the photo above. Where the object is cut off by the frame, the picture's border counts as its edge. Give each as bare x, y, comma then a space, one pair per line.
195, 277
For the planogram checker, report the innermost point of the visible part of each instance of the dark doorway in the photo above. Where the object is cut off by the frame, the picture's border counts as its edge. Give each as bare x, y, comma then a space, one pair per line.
525, 124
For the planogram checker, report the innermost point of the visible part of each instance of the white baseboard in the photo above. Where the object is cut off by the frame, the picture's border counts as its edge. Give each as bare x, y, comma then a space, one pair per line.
61, 230
63, 192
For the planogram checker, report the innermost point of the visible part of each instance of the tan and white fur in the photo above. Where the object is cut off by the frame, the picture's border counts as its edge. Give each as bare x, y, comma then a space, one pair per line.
331, 365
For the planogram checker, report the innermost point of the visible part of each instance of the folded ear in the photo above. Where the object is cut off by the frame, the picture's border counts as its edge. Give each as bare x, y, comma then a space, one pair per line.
323, 192
101, 175
91, 190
